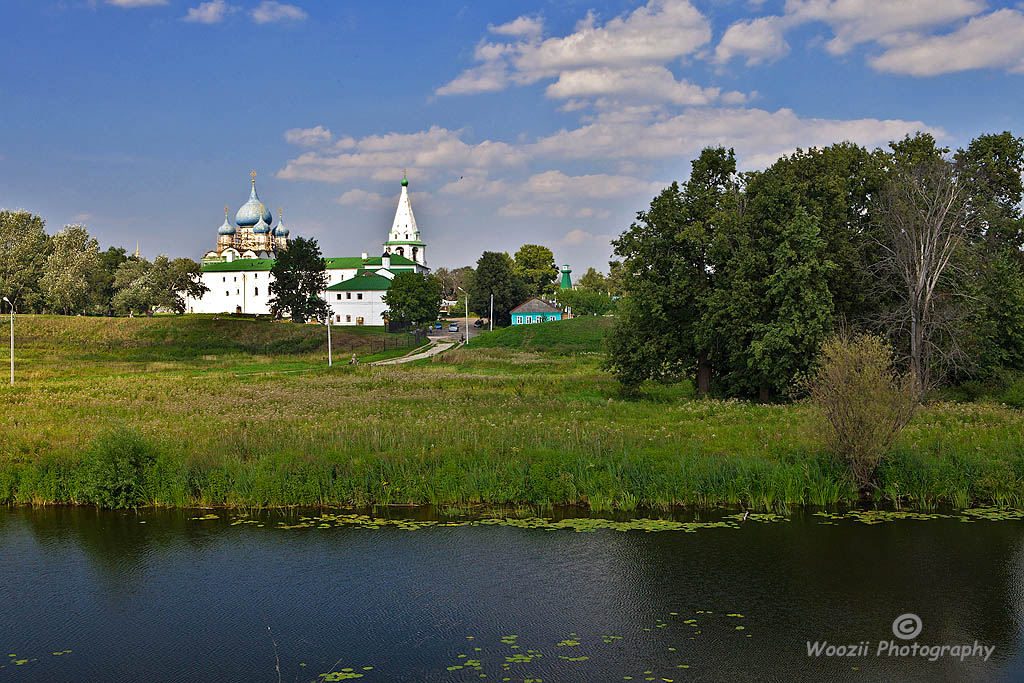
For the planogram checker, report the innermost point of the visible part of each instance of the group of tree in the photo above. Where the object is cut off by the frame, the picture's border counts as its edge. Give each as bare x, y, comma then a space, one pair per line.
67, 273
736, 279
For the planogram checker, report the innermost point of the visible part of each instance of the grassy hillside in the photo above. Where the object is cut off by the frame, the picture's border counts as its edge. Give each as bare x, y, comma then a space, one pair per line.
57, 347
179, 336
578, 335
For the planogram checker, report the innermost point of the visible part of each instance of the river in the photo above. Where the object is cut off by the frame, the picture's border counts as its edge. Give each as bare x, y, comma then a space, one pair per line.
158, 595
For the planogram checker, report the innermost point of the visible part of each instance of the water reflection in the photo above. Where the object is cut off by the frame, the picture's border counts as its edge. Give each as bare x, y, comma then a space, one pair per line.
158, 595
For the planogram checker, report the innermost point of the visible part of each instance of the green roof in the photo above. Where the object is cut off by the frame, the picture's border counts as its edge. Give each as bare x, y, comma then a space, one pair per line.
413, 243
362, 283
337, 263
344, 262
238, 265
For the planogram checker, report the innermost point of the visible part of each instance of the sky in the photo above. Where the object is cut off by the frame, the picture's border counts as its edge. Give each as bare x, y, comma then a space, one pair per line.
517, 122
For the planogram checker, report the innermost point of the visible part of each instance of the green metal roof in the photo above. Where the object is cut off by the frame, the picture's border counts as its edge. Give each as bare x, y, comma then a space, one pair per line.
362, 283
345, 262
337, 263
413, 243
240, 264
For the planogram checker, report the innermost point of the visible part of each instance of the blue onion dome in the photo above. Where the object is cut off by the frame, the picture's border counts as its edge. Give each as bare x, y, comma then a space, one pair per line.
226, 228
261, 227
280, 230
253, 210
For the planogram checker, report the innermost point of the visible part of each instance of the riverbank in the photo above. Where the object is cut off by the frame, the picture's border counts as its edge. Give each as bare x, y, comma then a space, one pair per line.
493, 426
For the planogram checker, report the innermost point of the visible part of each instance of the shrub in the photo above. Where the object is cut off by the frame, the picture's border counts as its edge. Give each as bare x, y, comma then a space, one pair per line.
116, 467
1014, 394
864, 402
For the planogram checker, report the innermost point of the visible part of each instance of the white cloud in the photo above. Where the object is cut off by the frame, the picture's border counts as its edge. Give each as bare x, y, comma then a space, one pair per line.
361, 198
484, 78
211, 12
269, 11
654, 33
383, 156
993, 40
526, 27
308, 137
476, 184
575, 238
758, 136
555, 184
136, 3
861, 21
595, 60
82, 217
759, 40
640, 83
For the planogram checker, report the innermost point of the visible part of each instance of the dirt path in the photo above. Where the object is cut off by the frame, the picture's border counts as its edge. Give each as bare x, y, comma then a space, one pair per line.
432, 351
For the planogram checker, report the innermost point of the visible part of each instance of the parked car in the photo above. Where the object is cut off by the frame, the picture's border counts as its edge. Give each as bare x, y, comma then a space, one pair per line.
453, 327
478, 322
438, 326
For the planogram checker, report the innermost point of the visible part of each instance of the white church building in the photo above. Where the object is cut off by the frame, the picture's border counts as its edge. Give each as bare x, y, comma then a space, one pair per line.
237, 271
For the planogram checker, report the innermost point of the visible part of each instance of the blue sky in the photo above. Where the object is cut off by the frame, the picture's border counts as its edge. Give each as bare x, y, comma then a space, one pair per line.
542, 122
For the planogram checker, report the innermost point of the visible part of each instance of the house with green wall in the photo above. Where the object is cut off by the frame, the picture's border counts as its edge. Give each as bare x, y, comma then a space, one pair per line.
535, 310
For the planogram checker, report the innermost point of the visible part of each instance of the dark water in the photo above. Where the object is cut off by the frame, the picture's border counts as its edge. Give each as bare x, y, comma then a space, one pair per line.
177, 599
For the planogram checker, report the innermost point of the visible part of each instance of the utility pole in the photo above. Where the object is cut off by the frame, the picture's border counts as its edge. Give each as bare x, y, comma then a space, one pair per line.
467, 314
12, 338
330, 357
490, 318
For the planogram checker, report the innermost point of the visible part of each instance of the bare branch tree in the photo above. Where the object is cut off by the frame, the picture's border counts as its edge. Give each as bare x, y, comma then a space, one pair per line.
925, 217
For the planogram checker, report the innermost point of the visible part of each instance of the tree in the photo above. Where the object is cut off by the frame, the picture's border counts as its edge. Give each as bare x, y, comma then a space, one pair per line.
669, 272
134, 291
535, 265
71, 266
299, 277
925, 214
593, 281
24, 248
494, 275
585, 302
102, 281
452, 279
413, 298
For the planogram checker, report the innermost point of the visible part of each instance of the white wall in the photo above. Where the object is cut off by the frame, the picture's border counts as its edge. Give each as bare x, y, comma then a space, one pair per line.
345, 311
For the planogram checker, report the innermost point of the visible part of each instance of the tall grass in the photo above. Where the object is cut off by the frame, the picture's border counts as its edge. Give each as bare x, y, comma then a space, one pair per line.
482, 426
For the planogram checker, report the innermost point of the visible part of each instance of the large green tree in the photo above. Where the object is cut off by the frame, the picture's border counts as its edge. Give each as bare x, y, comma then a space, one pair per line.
70, 269
413, 298
24, 248
143, 287
669, 273
495, 275
299, 279
535, 266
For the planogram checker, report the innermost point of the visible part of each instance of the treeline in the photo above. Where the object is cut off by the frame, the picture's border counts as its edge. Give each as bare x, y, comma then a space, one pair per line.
530, 272
736, 279
67, 273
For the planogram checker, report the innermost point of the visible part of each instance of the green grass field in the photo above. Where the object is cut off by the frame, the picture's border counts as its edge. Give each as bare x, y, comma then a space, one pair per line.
196, 419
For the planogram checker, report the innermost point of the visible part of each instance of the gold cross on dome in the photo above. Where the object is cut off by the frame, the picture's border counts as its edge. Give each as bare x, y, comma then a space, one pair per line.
226, 209
253, 174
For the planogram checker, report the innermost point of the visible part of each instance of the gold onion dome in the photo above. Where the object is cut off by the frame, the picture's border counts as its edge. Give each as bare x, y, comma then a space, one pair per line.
253, 210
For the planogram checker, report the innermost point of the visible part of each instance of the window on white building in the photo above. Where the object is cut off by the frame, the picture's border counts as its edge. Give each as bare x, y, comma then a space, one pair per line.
227, 293
348, 295
348, 318
359, 296
256, 291
337, 318
224, 279
237, 292
338, 297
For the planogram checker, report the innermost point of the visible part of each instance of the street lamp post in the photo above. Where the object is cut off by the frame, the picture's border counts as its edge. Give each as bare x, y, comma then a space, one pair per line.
330, 357
490, 318
467, 314
12, 338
